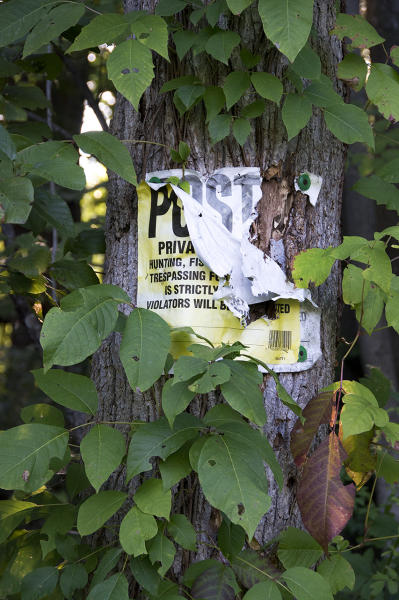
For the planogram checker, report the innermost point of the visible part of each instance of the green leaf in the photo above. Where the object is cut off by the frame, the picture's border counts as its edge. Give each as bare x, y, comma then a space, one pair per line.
380, 269
221, 45
265, 590
184, 150
7, 68
216, 374
175, 399
54, 211
7, 146
31, 264
62, 518
152, 499
313, 265
73, 274
235, 86
241, 130
296, 113
76, 392
187, 96
237, 6
16, 197
144, 348
219, 127
248, 59
268, 86
158, 439
76, 329
167, 8
379, 190
39, 583
113, 588
353, 69
389, 171
18, 17
231, 538
388, 468
131, 70
233, 480
337, 572
102, 450
307, 64
107, 563
136, 528
110, 151
349, 124
152, 31
162, 550
177, 82
253, 110
359, 414
33, 445
103, 29
73, 577
355, 27
215, 10
145, 574
321, 93
12, 512
180, 528
369, 313
242, 391
57, 20
251, 567
215, 583
42, 413
287, 24
97, 509
196, 568
174, 468
382, 88
307, 585
298, 549
184, 40
378, 384
76, 480
394, 55
187, 367
227, 420
352, 285
54, 161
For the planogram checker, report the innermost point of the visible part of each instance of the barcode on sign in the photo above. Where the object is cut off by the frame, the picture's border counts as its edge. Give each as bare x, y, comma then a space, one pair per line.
280, 340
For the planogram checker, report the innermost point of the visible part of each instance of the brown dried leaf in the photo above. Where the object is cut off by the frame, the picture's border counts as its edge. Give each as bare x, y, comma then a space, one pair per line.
326, 504
317, 412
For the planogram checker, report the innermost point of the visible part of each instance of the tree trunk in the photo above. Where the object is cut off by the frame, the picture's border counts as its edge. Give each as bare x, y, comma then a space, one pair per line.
315, 150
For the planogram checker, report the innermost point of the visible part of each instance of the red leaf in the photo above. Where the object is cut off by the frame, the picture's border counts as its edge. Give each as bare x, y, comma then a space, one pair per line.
317, 412
326, 504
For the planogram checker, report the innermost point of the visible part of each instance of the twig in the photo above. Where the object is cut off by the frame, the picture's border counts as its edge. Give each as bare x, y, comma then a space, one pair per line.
87, 94
54, 126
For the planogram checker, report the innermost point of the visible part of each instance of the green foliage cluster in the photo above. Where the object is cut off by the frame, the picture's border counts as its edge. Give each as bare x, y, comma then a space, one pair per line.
52, 505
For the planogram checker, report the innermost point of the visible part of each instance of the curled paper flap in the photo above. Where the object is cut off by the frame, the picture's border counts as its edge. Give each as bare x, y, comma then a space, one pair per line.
219, 214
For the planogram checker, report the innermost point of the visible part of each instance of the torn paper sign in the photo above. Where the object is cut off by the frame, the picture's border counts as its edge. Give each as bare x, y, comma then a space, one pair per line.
196, 262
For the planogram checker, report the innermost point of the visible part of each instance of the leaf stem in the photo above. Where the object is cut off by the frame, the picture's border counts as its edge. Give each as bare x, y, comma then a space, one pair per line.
145, 142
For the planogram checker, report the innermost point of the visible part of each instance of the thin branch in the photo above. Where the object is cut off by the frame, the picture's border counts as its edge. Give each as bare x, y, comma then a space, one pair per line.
54, 127
86, 92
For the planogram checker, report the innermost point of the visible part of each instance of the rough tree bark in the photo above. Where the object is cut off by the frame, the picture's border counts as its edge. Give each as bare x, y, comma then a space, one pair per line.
301, 226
